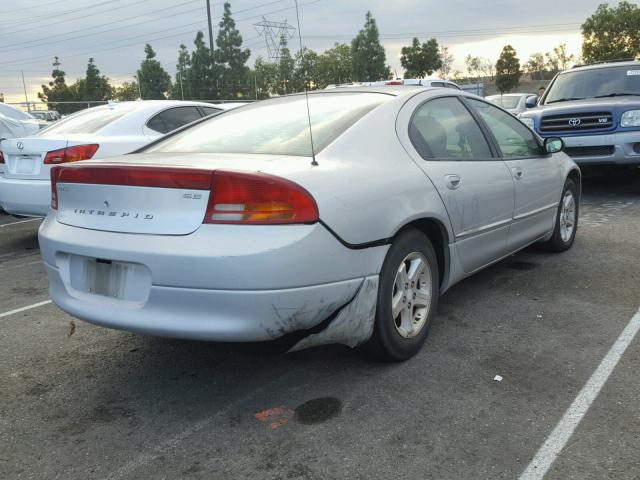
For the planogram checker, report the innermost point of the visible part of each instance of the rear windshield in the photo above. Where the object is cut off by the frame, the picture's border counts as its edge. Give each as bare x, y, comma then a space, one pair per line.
87, 121
505, 101
597, 82
276, 127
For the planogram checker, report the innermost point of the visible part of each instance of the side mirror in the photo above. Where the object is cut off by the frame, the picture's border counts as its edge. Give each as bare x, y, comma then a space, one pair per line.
531, 102
553, 144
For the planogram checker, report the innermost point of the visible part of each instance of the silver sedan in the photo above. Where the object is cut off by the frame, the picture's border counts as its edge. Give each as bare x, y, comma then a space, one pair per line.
244, 228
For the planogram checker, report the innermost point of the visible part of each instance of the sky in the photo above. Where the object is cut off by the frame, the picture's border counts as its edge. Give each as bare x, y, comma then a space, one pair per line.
114, 32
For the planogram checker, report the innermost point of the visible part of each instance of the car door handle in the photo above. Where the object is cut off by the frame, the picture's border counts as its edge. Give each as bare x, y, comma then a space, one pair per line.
517, 173
452, 181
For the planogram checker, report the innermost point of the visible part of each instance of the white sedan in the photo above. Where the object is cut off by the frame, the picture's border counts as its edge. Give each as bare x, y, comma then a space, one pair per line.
98, 132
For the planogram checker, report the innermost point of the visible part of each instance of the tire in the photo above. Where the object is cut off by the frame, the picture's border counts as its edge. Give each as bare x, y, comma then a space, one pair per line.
399, 338
561, 240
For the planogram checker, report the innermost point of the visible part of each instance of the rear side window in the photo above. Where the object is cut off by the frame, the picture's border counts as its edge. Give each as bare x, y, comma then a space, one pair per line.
443, 129
157, 124
210, 111
514, 139
278, 126
177, 117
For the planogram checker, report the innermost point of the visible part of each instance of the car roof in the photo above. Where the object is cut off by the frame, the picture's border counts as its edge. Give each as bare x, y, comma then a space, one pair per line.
595, 66
394, 90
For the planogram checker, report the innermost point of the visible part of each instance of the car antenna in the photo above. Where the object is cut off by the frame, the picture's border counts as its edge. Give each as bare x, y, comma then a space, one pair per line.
306, 93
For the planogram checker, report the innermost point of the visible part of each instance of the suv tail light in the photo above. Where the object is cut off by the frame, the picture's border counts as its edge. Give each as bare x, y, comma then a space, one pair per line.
71, 154
1, 158
258, 199
235, 197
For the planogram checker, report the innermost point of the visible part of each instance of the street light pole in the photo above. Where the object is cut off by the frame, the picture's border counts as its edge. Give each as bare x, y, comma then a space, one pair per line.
210, 27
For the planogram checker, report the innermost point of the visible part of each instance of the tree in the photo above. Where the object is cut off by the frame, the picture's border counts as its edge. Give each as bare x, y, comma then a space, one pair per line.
473, 65
265, 79
203, 76
58, 91
334, 66
368, 58
559, 59
306, 71
507, 70
447, 62
94, 86
154, 81
181, 88
126, 92
286, 67
487, 68
231, 58
421, 60
536, 63
611, 33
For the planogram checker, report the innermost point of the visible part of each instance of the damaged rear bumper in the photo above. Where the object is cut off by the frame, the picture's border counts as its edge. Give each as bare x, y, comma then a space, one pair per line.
226, 315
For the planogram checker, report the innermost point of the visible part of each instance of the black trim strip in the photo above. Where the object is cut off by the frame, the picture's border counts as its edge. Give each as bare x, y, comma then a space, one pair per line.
356, 246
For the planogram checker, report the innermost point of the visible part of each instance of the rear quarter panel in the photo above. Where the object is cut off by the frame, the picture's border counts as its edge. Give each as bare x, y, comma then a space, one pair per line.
366, 186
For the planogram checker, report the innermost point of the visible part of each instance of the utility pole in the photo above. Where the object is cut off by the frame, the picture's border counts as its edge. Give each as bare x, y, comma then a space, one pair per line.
24, 86
181, 91
139, 88
210, 28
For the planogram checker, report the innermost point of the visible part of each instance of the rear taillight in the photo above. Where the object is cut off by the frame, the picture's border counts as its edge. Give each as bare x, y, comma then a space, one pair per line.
258, 199
70, 154
55, 173
1, 158
234, 198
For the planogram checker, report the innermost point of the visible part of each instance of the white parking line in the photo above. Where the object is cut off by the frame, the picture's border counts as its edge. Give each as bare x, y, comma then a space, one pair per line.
28, 307
21, 221
554, 444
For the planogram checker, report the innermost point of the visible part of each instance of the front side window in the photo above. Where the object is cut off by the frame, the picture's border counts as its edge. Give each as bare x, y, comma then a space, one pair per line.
210, 111
443, 129
514, 139
279, 126
505, 101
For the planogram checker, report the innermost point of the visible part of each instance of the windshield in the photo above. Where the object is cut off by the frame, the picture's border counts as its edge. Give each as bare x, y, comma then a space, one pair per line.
597, 82
87, 121
276, 127
505, 101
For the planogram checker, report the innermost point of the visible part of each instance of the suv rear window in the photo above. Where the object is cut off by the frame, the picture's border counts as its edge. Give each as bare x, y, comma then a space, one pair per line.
595, 82
277, 127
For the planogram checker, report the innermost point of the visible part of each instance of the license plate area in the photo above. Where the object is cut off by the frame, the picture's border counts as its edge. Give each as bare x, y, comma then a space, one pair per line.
26, 165
111, 279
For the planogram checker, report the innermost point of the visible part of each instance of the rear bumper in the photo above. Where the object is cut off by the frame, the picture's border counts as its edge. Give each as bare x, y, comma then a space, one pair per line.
622, 152
220, 283
30, 198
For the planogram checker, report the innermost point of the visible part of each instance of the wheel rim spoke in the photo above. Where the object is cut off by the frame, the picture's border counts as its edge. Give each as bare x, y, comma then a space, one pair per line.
411, 296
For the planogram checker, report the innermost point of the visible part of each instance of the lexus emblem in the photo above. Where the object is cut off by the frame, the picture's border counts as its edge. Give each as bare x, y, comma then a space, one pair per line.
574, 122
106, 204
20, 145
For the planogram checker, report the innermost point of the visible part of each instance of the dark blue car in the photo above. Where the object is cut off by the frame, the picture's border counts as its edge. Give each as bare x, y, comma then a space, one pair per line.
596, 111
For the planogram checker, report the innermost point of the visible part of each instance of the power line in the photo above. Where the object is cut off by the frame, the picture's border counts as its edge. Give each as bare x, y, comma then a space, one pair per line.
32, 6
48, 42
66, 55
82, 17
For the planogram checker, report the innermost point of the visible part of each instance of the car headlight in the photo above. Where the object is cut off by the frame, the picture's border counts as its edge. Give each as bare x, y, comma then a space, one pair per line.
630, 119
528, 122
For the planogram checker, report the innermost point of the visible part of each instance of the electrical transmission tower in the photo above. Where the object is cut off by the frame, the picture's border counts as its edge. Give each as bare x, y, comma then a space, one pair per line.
272, 33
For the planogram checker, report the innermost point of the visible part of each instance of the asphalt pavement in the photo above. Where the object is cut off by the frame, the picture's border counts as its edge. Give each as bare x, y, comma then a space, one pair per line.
83, 402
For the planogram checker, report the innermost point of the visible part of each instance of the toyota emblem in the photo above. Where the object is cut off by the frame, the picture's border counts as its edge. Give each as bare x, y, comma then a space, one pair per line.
574, 122
20, 145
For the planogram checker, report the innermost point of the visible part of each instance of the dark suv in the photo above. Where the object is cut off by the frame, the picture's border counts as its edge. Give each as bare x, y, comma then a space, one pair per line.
596, 111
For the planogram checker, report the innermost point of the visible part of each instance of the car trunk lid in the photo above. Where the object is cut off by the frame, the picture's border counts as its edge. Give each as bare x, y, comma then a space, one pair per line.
150, 194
